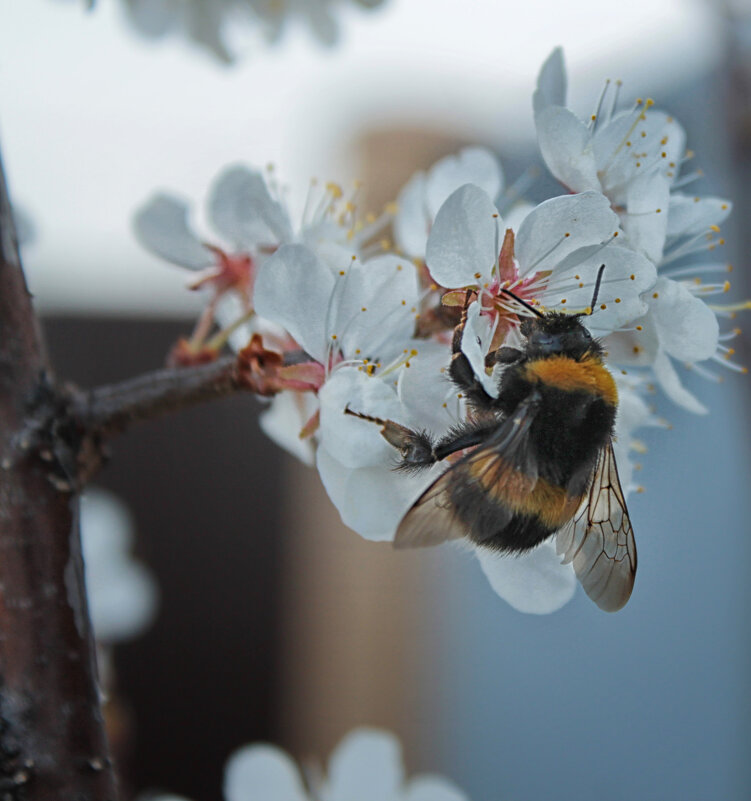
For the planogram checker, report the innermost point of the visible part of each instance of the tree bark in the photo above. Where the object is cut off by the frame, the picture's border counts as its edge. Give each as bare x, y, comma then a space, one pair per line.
52, 739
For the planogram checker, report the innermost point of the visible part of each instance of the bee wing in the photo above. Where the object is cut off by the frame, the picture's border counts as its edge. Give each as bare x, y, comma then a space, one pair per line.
432, 518
599, 540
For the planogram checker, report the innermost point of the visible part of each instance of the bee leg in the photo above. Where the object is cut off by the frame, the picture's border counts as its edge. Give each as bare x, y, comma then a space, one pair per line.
469, 435
504, 355
415, 447
461, 371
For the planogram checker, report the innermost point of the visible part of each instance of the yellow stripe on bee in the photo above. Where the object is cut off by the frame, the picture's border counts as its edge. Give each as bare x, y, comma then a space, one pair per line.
506, 485
561, 372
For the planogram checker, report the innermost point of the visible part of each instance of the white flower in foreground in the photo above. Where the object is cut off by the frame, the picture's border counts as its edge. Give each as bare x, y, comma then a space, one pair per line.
552, 260
425, 192
633, 156
122, 593
366, 766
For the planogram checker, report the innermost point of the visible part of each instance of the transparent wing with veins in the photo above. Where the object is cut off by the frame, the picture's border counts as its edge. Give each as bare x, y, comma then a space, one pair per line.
599, 541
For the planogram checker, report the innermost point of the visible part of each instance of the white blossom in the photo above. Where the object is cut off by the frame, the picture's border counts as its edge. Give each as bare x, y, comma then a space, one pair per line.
635, 158
366, 766
122, 593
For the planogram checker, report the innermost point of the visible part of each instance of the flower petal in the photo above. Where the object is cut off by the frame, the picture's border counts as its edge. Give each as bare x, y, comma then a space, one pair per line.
429, 399
566, 146
472, 165
242, 209
350, 440
283, 420
551, 82
535, 582
465, 239
476, 339
693, 215
370, 500
433, 788
366, 766
375, 307
637, 348
646, 220
686, 326
161, 226
262, 773
626, 276
561, 225
671, 385
294, 289
412, 221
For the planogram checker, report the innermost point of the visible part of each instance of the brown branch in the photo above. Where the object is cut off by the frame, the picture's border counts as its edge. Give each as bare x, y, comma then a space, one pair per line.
52, 740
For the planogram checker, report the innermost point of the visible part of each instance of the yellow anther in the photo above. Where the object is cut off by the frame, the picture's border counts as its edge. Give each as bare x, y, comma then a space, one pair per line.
567, 234
726, 286
656, 295
715, 228
391, 208
632, 277
341, 272
363, 309
639, 328
603, 306
617, 300
563, 300
658, 211
495, 216
334, 189
399, 267
637, 349
333, 336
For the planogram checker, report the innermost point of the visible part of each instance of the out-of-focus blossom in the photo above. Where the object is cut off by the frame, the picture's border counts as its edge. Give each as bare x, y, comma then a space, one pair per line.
366, 766
122, 593
206, 23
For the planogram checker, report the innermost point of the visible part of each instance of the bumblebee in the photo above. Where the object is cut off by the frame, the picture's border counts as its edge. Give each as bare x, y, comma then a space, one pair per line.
541, 459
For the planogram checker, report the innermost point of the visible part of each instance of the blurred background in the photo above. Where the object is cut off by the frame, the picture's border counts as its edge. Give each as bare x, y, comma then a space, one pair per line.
275, 622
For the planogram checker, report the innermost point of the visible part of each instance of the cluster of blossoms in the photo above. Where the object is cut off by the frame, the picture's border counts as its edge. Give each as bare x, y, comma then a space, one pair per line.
205, 23
367, 766
354, 321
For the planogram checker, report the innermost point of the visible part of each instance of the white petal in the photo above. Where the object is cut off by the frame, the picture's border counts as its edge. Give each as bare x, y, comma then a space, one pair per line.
633, 143
561, 225
412, 221
294, 289
566, 146
370, 500
535, 582
476, 339
472, 165
283, 420
242, 209
465, 239
123, 595
433, 788
366, 766
262, 773
646, 220
689, 216
686, 326
637, 348
620, 294
670, 383
375, 308
350, 440
429, 399
551, 82
161, 226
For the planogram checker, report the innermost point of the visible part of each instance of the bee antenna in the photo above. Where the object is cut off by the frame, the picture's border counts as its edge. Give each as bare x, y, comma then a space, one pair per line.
597, 286
523, 302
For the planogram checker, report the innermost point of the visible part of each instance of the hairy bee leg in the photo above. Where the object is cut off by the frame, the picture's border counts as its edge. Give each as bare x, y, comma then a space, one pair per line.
471, 435
415, 447
460, 370
504, 355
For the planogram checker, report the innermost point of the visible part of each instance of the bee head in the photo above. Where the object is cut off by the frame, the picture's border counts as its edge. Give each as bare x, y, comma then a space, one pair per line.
558, 334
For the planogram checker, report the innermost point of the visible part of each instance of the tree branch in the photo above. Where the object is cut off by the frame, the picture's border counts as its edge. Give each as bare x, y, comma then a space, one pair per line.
52, 740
